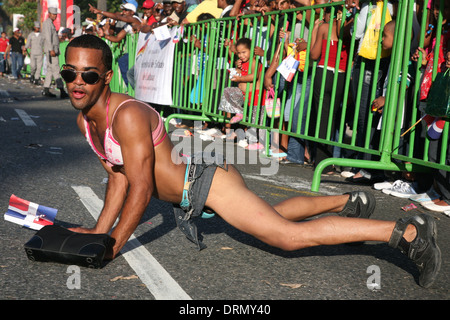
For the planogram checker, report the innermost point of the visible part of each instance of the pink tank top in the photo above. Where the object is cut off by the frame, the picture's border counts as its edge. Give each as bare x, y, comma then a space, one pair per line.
113, 152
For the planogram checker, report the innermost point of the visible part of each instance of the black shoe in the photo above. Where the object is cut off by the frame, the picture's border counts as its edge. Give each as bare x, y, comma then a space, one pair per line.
360, 204
37, 82
46, 93
423, 250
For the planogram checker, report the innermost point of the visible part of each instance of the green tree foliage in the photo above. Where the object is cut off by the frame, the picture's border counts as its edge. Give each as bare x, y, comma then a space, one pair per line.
28, 9
113, 6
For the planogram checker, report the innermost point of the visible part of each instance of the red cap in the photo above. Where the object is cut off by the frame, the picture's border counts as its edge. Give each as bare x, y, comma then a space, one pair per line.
148, 4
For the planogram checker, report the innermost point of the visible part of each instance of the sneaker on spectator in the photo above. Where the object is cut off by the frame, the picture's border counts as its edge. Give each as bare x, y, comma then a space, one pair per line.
437, 208
206, 137
173, 121
430, 195
402, 189
382, 185
347, 174
211, 132
243, 143
396, 184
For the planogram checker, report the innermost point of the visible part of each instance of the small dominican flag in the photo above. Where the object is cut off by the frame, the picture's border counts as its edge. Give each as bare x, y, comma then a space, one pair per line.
29, 214
435, 126
178, 34
288, 67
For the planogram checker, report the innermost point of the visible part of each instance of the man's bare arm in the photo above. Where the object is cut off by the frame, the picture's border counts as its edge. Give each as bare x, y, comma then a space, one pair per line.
138, 156
116, 192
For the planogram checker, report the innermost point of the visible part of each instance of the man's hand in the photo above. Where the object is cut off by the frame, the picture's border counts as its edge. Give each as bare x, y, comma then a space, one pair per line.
83, 230
415, 56
109, 254
268, 83
93, 10
259, 51
378, 104
300, 44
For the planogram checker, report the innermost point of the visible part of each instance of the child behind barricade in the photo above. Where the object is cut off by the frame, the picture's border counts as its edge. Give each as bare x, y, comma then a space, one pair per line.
233, 98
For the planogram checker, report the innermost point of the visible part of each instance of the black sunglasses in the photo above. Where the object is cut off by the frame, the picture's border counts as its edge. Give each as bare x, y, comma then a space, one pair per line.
90, 77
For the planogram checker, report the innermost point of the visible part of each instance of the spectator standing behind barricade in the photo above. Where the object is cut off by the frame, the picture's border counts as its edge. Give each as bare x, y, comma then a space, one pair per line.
35, 43
51, 50
361, 175
133, 23
16, 49
4, 42
230, 8
196, 95
167, 8
319, 42
438, 198
297, 152
280, 142
179, 12
411, 183
233, 98
149, 18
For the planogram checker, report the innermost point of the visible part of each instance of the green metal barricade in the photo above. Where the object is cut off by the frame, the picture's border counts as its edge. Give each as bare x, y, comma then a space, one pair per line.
200, 76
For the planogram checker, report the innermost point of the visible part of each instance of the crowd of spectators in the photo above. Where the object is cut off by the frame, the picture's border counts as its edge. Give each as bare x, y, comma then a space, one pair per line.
327, 97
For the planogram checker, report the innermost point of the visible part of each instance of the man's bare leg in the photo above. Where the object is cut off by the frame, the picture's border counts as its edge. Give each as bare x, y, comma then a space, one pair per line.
300, 208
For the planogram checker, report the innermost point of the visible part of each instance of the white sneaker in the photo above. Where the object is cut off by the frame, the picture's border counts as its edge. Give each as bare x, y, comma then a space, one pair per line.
347, 174
173, 121
437, 208
206, 137
242, 143
403, 190
382, 185
396, 184
430, 195
211, 132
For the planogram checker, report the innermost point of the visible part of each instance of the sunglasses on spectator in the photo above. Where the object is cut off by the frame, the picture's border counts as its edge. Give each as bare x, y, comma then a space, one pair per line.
90, 77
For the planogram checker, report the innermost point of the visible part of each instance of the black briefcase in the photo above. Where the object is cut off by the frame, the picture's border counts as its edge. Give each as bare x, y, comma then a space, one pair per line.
58, 244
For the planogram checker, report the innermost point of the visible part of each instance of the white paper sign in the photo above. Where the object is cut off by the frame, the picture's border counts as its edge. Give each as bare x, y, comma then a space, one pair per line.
162, 33
154, 68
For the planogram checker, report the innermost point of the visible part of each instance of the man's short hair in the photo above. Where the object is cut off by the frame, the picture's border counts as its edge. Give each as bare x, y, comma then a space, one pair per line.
89, 41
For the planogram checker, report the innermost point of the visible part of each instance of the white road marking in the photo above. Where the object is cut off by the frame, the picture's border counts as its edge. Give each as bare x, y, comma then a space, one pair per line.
25, 118
158, 281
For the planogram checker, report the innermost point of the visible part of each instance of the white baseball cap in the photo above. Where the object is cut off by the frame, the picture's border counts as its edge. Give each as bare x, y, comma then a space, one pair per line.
128, 6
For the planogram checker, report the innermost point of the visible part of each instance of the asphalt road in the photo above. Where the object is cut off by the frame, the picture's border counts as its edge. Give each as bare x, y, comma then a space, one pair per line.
44, 159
